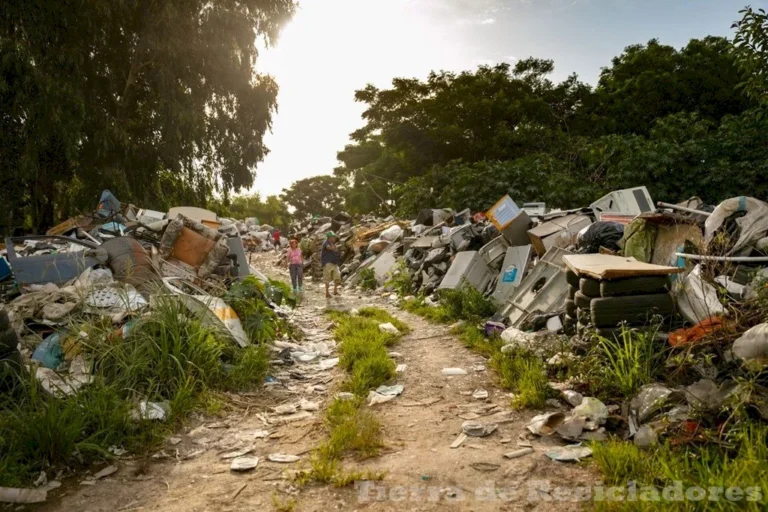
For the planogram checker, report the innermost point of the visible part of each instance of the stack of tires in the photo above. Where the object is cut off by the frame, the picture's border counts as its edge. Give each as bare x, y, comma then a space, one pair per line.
606, 304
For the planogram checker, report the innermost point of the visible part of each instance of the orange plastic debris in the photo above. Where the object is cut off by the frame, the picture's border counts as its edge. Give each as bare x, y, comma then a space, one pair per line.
697, 332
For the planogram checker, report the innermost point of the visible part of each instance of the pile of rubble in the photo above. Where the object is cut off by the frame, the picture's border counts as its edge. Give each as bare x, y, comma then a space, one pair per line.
690, 270
116, 262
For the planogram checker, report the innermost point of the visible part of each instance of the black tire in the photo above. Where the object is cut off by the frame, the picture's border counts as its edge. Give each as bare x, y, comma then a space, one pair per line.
5, 322
589, 287
650, 285
582, 301
572, 278
633, 309
584, 316
570, 308
572, 292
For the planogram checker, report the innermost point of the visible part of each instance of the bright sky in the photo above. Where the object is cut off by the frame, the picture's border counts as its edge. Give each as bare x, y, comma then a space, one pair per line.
333, 47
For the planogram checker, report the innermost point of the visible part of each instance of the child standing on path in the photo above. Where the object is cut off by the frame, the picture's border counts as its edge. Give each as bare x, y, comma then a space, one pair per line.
296, 266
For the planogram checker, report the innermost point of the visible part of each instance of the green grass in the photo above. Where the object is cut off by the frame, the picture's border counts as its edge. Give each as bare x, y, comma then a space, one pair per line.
742, 462
168, 356
280, 505
465, 303
382, 317
617, 367
400, 280
352, 426
437, 314
363, 348
368, 279
519, 371
524, 374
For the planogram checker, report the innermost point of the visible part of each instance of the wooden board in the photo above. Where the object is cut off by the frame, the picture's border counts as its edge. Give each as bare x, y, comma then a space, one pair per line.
604, 266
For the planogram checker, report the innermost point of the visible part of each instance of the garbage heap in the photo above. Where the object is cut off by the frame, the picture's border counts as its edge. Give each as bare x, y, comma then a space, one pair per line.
691, 274
114, 263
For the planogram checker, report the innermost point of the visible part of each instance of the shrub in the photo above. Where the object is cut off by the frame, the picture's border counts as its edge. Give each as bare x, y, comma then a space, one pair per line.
368, 279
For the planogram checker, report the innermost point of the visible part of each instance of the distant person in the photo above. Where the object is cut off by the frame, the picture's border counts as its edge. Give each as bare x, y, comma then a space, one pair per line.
276, 239
296, 266
330, 260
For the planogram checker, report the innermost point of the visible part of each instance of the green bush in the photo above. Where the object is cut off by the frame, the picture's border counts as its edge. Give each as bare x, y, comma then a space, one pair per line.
368, 279
466, 303
169, 355
524, 374
400, 280
741, 461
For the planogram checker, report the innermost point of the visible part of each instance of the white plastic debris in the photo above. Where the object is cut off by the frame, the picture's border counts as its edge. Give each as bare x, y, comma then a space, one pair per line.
285, 409
345, 396
389, 328
697, 299
649, 400
307, 405
752, 347
545, 424
290, 418
592, 409
283, 458
327, 364
477, 429
384, 394
401, 368
244, 463
16, 495
518, 453
453, 371
459, 440
572, 427
646, 437
104, 473
569, 453
153, 410
554, 324
572, 397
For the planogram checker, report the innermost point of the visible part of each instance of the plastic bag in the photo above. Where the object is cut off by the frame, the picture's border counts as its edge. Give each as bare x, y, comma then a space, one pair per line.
752, 226
601, 234
697, 299
392, 233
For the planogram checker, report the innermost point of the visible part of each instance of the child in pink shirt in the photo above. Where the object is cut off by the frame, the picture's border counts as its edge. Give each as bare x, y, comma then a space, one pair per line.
296, 266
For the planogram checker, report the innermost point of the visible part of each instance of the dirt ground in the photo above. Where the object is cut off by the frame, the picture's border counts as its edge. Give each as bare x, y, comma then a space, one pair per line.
422, 471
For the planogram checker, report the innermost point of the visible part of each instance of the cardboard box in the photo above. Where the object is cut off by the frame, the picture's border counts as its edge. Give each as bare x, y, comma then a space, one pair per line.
545, 235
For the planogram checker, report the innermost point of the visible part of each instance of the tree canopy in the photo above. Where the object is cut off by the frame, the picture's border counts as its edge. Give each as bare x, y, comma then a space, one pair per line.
680, 122
271, 210
319, 195
131, 96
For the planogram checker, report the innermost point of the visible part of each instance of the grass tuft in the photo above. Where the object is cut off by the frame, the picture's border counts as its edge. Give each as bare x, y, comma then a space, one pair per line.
169, 355
368, 279
353, 428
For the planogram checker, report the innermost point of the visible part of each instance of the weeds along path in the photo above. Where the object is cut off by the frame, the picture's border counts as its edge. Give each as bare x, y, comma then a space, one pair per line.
187, 473
421, 470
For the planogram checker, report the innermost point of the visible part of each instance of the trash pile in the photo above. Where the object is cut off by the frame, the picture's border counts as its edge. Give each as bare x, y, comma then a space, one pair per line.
117, 263
693, 274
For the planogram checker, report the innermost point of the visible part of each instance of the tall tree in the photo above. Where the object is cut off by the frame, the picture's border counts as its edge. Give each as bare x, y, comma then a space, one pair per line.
319, 195
652, 81
117, 93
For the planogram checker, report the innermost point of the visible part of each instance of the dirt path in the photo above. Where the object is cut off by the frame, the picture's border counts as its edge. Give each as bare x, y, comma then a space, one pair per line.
422, 471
